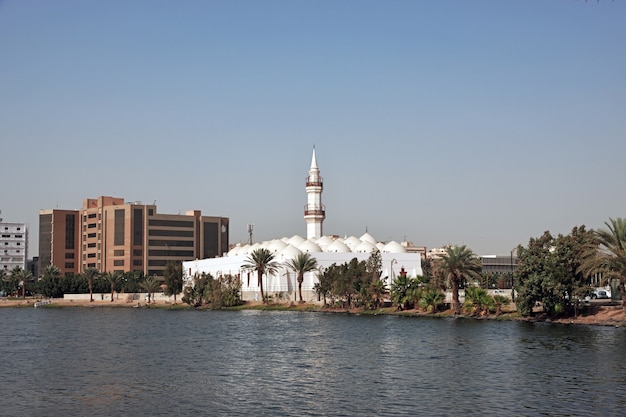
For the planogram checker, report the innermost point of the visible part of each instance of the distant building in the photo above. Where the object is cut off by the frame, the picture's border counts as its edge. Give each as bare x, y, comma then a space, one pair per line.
498, 264
111, 235
13, 245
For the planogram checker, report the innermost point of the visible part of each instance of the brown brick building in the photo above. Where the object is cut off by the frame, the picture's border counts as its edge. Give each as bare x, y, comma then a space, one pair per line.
110, 235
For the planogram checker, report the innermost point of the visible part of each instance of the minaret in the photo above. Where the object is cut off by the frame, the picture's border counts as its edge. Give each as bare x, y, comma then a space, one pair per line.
314, 210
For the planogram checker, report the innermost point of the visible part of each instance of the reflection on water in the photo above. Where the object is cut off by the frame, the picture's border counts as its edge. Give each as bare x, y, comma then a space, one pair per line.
103, 362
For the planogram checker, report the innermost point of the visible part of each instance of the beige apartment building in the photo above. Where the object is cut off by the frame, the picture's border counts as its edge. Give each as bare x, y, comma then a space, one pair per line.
112, 235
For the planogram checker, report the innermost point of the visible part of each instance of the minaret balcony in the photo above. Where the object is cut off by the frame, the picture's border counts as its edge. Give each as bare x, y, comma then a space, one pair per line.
311, 211
311, 182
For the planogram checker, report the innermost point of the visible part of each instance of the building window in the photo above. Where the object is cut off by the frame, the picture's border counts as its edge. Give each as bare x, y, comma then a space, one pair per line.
92, 265
91, 235
118, 252
137, 252
70, 225
69, 265
69, 255
137, 262
118, 232
118, 262
91, 216
91, 245
137, 227
92, 225
91, 255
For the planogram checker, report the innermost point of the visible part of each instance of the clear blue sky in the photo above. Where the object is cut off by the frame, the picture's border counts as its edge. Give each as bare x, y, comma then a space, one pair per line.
482, 123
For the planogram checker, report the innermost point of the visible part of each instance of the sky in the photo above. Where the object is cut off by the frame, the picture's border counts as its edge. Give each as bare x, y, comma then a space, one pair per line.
479, 123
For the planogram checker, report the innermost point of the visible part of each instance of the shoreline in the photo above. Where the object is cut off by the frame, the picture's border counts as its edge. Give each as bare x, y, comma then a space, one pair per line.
614, 316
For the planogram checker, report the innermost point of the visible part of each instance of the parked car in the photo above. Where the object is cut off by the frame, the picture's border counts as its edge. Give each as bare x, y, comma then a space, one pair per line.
599, 294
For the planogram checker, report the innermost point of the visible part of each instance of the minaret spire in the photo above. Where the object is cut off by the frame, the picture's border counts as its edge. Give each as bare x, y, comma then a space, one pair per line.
314, 210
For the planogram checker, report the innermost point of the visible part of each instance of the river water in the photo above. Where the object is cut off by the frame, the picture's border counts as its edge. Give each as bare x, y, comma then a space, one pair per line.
151, 362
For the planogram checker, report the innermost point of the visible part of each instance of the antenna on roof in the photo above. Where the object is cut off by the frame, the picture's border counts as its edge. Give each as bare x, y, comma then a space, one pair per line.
0, 217
250, 229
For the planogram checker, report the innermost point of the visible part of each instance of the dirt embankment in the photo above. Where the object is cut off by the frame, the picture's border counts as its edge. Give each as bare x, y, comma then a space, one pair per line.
601, 315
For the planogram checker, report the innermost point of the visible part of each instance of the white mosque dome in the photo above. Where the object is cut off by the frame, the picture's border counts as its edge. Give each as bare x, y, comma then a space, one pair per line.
296, 240
352, 242
276, 245
285, 239
309, 246
244, 250
289, 252
234, 251
366, 237
365, 247
324, 241
394, 247
337, 246
380, 246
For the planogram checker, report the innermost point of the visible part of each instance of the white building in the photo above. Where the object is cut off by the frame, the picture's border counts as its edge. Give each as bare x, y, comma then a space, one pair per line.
324, 248
13, 245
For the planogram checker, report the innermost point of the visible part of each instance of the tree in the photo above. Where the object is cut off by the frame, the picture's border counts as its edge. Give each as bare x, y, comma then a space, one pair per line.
302, 264
377, 288
24, 277
459, 263
499, 301
262, 261
400, 291
431, 300
50, 284
324, 285
13, 281
606, 254
91, 274
114, 279
549, 272
477, 301
151, 286
3, 281
173, 276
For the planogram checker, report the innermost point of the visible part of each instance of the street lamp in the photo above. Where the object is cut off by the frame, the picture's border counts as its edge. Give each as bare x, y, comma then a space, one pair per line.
393, 261
512, 276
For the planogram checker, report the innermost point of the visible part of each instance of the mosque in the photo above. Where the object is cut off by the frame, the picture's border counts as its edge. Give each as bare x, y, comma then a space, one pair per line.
326, 249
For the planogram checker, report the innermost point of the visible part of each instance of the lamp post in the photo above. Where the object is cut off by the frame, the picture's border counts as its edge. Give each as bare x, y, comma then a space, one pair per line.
393, 261
512, 276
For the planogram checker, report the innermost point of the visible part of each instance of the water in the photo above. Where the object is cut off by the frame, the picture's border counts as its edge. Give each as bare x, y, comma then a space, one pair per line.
150, 362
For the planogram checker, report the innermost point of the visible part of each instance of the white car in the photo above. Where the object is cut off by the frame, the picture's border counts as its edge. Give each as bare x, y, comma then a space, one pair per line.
600, 294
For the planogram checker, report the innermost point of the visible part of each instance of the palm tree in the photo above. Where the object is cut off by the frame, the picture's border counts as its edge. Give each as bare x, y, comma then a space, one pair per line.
113, 278
14, 281
262, 261
477, 301
51, 272
91, 274
50, 282
607, 254
151, 286
431, 299
302, 264
457, 264
499, 301
24, 276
